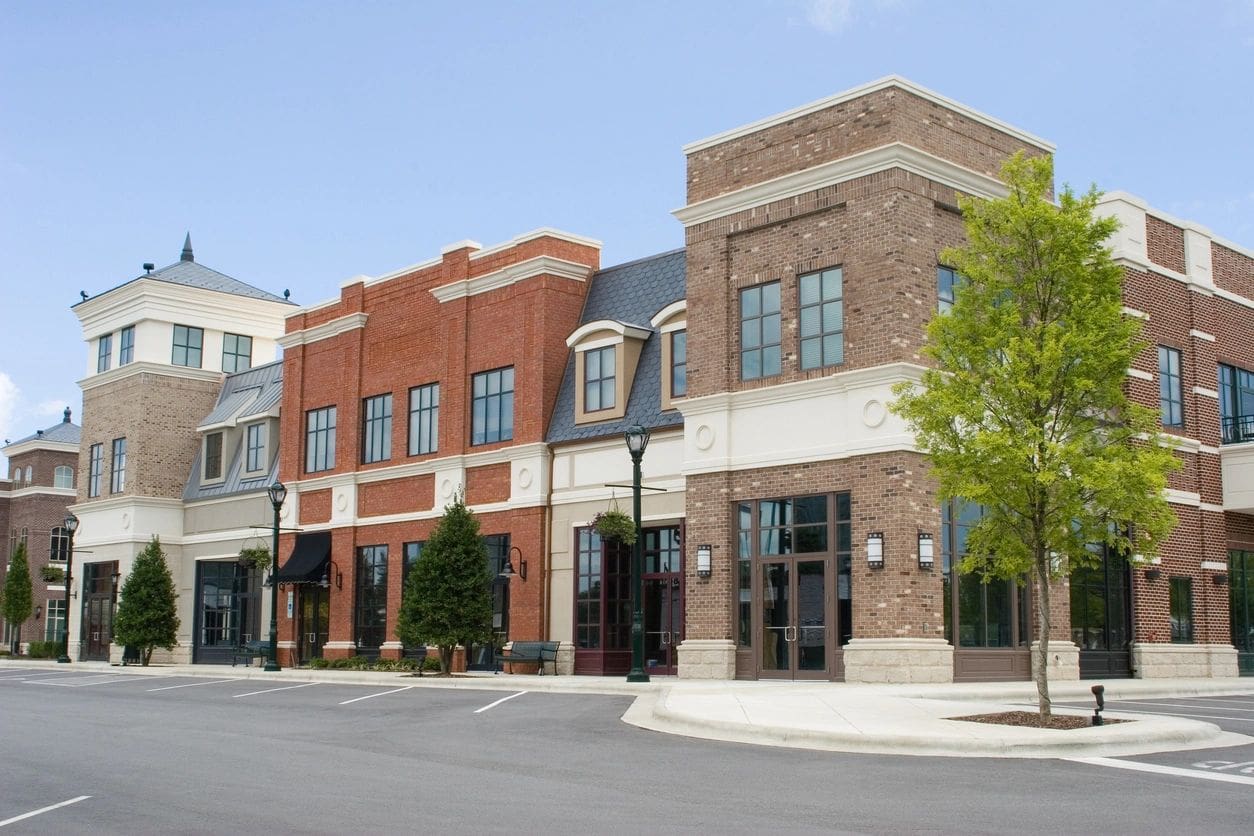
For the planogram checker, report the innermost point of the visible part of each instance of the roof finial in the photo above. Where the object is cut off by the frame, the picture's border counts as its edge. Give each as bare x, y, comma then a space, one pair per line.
65, 419
187, 249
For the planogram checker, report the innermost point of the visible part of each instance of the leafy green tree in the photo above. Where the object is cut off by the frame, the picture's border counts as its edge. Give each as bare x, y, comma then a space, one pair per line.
1024, 411
447, 600
17, 603
146, 617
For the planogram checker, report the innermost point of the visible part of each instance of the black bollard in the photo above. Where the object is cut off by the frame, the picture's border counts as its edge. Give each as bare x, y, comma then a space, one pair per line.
1099, 695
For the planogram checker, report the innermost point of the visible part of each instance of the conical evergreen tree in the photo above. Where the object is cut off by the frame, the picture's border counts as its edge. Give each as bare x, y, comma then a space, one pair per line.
17, 592
146, 617
447, 600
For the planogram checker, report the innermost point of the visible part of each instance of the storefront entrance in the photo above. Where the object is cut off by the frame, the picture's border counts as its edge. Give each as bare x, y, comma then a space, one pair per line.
796, 616
312, 622
229, 611
99, 602
1101, 617
1241, 603
663, 599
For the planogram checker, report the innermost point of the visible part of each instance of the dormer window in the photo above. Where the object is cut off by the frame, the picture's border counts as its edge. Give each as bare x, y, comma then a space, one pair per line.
672, 323
213, 457
606, 354
255, 447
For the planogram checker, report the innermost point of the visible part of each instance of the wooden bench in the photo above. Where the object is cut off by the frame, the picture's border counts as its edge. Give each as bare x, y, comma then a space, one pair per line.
530, 652
250, 651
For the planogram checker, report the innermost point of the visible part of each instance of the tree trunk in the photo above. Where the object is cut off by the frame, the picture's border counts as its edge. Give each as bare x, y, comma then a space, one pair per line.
446, 659
148, 655
1043, 623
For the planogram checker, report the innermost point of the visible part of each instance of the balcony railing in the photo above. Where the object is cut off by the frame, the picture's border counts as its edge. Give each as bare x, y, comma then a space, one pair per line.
1238, 429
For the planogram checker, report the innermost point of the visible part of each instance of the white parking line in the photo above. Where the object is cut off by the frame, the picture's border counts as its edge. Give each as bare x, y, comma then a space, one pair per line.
272, 690
498, 702
1180, 714
192, 685
1165, 770
44, 810
1208, 706
380, 694
33, 673
78, 683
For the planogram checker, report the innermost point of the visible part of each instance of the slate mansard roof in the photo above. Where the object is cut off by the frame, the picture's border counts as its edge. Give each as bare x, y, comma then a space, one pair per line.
63, 432
631, 293
245, 395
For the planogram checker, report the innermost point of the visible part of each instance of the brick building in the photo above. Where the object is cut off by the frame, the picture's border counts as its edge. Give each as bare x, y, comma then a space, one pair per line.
34, 502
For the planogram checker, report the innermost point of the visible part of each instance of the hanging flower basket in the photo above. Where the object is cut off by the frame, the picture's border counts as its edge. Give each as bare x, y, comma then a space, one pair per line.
613, 524
52, 574
258, 557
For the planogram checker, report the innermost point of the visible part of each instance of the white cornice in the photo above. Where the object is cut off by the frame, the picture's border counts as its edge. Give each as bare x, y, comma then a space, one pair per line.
42, 490
864, 90
802, 389
1144, 206
622, 329
326, 330
538, 266
32, 444
422, 468
671, 311
542, 232
116, 502
151, 299
885, 157
145, 367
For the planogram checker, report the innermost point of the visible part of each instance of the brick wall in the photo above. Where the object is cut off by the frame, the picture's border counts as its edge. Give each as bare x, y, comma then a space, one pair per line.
395, 496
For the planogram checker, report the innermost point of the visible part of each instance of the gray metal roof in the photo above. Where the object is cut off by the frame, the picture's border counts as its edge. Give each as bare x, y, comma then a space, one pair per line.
244, 394
630, 293
63, 432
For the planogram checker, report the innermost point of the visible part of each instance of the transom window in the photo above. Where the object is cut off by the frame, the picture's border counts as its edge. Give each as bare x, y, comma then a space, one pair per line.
598, 379
63, 476
760, 331
679, 364
424, 419
1182, 610
492, 408
1170, 389
237, 353
104, 352
126, 347
117, 482
255, 447
376, 429
822, 319
95, 464
213, 456
188, 343
320, 439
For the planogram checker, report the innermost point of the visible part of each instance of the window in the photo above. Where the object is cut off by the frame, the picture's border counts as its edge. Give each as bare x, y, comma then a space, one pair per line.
759, 331
59, 544
679, 364
94, 466
188, 343
320, 439
412, 553
126, 347
213, 456
822, 319
54, 627
1241, 605
492, 408
498, 552
104, 352
424, 419
989, 613
376, 429
1182, 610
598, 379
29, 478
237, 353
63, 476
1170, 392
1236, 404
255, 447
372, 598
946, 283
117, 482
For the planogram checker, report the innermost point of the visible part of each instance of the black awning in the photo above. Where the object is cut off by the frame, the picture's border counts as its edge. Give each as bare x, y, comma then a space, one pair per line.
308, 560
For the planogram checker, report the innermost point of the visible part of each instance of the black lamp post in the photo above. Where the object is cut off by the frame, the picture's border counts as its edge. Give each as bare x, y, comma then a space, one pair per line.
637, 439
277, 493
71, 525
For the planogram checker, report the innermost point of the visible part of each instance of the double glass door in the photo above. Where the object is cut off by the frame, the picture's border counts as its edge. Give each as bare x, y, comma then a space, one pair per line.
99, 598
315, 614
795, 609
663, 624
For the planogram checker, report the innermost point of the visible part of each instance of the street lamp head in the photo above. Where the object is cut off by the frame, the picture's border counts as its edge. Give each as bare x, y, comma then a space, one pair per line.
71, 523
637, 439
278, 493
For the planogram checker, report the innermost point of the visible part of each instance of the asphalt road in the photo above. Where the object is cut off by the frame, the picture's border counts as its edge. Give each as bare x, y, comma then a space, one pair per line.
196, 755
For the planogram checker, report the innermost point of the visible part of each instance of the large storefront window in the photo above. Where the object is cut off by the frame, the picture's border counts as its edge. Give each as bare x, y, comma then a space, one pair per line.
230, 612
372, 599
603, 600
1241, 599
990, 613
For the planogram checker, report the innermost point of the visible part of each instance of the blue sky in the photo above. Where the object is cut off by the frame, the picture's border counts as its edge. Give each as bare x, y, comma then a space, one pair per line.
304, 143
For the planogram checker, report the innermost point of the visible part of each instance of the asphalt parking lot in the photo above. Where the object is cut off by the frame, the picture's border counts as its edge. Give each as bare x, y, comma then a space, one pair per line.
116, 752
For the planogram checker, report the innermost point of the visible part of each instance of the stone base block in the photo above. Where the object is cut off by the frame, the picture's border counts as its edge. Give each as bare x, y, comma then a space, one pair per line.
338, 650
566, 659
1064, 660
899, 660
707, 659
1183, 661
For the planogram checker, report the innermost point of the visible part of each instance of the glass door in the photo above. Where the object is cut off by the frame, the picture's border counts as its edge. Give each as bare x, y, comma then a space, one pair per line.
794, 613
663, 623
315, 612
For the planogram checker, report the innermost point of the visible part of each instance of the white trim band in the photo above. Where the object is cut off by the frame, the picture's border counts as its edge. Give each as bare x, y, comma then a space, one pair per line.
333, 328
542, 265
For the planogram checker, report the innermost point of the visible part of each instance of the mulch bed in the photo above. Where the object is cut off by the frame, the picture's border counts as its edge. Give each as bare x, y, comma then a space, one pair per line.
1062, 722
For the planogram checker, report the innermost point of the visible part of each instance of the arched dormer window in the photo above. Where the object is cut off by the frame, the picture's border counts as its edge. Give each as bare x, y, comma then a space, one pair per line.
606, 354
672, 324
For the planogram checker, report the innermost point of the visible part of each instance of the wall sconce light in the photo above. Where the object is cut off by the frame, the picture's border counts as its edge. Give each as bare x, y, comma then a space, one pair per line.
325, 583
875, 550
116, 576
927, 553
1153, 573
704, 560
507, 571
39, 611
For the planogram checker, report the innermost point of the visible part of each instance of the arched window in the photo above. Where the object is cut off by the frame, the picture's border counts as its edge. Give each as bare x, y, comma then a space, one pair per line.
63, 477
28, 474
59, 545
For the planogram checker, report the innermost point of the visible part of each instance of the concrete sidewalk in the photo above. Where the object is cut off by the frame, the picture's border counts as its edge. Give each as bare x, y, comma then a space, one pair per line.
882, 719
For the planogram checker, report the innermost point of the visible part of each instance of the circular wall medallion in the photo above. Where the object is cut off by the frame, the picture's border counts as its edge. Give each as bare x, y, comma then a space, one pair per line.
705, 437
874, 413
446, 488
524, 477
341, 500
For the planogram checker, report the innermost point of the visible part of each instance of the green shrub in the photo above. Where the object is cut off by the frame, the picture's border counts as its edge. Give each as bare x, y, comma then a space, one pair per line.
44, 650
338, 664
318, 664
431, 663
